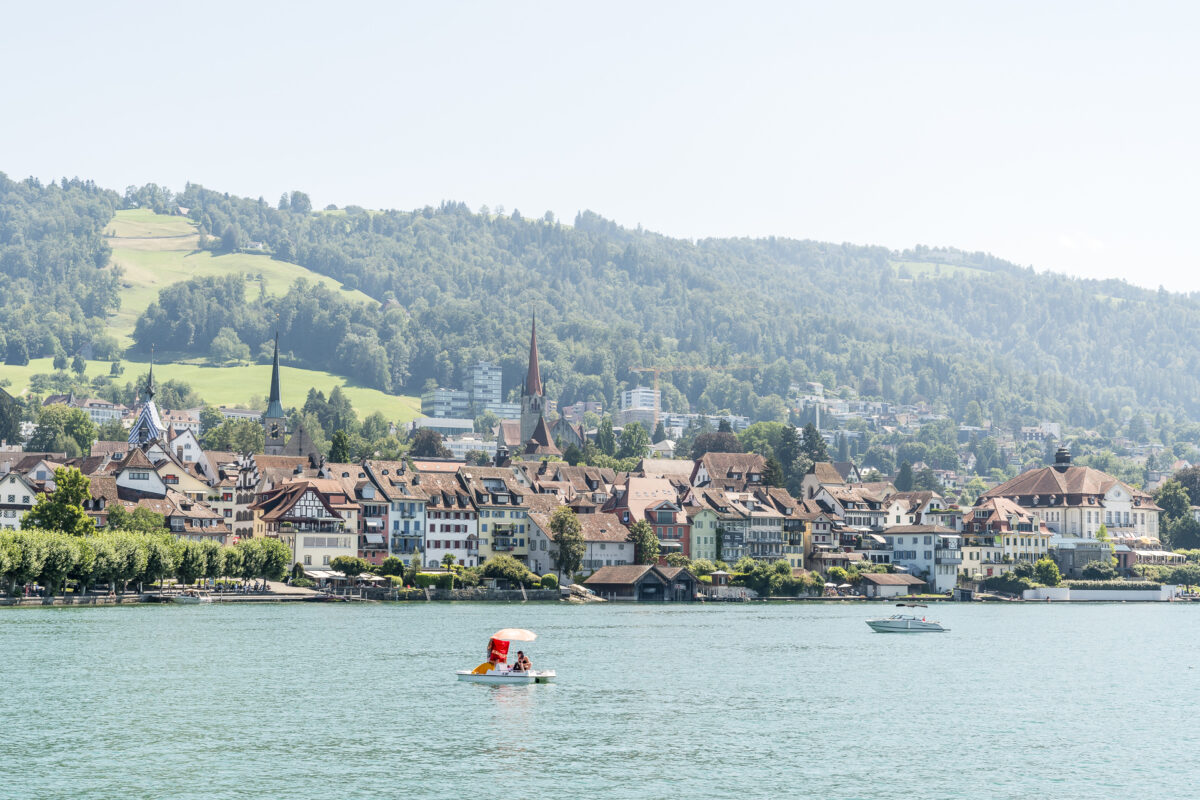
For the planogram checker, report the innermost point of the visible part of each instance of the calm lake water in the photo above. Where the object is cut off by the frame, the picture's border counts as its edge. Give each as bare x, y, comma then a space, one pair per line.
652, 702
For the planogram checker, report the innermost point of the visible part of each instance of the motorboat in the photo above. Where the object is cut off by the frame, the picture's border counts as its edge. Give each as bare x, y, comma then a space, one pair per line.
193, 597
496, 671
504, 677
906, 623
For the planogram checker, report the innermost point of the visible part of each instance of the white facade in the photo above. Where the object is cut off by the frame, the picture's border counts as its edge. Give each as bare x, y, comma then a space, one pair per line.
406, 521
450, 530
933, 557
318, 549
16, 498
459, 446
186, 447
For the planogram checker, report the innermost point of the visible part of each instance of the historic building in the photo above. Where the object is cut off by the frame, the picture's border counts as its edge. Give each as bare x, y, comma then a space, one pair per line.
274, 420
533, 394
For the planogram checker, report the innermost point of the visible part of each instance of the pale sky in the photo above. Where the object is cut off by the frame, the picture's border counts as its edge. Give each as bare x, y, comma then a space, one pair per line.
1062, 136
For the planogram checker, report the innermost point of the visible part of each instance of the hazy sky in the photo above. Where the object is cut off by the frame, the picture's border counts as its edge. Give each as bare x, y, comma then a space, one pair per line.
1058, 135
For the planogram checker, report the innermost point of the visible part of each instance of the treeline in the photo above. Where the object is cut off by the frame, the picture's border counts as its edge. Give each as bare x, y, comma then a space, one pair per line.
58, 287
119, 558
770, 312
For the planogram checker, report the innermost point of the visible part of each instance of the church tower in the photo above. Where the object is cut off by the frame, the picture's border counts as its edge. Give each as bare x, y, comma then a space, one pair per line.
533, 398
147, 428
274, 421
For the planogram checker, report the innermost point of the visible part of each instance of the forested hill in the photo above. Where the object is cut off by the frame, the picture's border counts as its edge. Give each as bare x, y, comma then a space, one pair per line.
457, 287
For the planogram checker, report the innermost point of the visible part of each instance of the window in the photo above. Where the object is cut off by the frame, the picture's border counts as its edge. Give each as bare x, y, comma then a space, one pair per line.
308, 561
12, 498
325, 560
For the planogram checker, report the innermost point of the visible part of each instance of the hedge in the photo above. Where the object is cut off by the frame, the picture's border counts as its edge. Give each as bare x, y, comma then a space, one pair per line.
1122, 586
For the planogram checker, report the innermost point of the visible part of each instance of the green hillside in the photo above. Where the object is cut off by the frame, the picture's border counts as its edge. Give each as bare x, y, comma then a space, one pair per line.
156, 250
236, 385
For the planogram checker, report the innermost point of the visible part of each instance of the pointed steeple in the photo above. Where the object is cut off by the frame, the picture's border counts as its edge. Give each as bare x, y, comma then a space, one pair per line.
274, 405
533, 381
150, 378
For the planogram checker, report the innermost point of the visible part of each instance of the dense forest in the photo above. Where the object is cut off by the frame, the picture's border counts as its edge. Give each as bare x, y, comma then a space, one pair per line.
751, 316
58, 288
459, 287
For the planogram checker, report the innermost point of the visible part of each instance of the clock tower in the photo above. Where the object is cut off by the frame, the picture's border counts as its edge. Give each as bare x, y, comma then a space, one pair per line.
274, 421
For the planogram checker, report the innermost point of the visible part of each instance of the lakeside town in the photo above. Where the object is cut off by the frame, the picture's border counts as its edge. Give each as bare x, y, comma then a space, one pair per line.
510, 509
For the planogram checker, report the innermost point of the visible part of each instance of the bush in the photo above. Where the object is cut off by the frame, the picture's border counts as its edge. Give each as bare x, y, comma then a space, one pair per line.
471, 576
426, 579
705, 579
549, 581
1122, 586
1008, 583
1099, 571
304, 583
392, 566
445, 580
504, 567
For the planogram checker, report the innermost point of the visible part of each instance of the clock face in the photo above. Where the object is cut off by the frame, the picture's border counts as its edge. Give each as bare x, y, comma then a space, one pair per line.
274, 430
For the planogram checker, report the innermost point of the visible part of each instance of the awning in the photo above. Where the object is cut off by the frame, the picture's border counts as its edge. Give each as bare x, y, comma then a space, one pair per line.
373, 523
374, 538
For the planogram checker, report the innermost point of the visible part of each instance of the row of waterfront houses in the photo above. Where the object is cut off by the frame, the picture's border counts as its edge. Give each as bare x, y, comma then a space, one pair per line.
717, 507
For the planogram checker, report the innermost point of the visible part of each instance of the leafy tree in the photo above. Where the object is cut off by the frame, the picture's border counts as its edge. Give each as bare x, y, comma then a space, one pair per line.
568, 539
78, 364
606, 440
813, 445
60, 555
660, 433
427, 443
190, 560
60, 358
392, 566
773, 473
111, 431
486, 423
236, 435
678, 560
210, 419
1174, 500
63, 509
724, 427
505, 567
715, 443
904, 478
635, 442
645, 543
339, 447
1045, 571
300, 204
448, 560
788, 450
350, 566
702, 566
63, 429
226, 346
140, 520
1096, 571
926, 481
18, 352
838, 575
10, 418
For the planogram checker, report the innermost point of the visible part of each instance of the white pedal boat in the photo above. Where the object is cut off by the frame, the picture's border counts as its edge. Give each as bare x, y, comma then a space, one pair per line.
504, 677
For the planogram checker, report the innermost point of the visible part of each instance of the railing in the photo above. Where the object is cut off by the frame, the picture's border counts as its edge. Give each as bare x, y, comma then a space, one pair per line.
502, 543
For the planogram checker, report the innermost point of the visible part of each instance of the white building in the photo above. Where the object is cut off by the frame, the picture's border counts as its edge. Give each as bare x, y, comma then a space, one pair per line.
446, 403
929, 552
459, 446
17, 496
485, 386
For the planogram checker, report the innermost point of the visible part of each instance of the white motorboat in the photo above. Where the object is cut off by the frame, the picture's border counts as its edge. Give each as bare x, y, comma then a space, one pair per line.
905, 623
193, 597
502, 677
497, 672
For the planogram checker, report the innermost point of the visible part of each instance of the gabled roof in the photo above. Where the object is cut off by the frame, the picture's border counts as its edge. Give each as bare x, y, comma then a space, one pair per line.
136, 459
826, 473
540, 443
628, 574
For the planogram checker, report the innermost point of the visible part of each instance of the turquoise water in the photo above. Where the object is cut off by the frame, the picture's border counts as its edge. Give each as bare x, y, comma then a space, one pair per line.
652, 702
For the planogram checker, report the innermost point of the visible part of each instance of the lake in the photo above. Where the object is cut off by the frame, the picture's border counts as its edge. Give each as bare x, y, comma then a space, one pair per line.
737, 700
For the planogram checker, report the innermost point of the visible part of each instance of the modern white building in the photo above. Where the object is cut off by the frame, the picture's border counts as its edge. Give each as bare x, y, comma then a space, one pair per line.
485, 386
446, 403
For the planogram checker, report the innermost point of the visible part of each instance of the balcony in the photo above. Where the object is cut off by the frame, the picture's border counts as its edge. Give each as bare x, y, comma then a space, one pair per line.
503, 543
945, 555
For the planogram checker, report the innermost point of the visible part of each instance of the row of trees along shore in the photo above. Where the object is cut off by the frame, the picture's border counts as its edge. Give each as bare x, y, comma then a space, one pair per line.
58, 545
56, 560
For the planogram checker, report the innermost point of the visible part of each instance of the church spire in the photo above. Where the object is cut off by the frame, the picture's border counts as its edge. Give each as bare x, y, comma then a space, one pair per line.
150, 378
274, 404
533, 381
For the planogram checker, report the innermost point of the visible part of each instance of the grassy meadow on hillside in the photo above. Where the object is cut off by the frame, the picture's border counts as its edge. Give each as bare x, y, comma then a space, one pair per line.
244, 385
156, 250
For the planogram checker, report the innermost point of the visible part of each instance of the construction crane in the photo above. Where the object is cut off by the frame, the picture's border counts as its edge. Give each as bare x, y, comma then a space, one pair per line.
657, 371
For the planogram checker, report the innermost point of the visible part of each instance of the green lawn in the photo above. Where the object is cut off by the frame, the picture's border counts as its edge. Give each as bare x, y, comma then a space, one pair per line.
239, 385
932, 269
155, 251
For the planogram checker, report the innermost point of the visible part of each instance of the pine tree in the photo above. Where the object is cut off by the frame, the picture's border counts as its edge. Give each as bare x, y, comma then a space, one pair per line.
904, 478
813, 445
